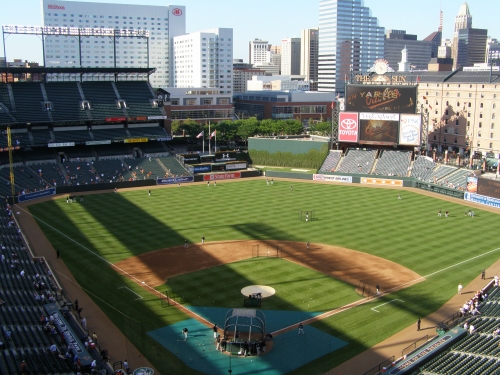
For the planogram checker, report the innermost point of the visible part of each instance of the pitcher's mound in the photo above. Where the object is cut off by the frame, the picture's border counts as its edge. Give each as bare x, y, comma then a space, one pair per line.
265, 291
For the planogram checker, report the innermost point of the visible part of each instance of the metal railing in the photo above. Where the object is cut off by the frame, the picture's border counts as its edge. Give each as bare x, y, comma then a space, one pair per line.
410, 348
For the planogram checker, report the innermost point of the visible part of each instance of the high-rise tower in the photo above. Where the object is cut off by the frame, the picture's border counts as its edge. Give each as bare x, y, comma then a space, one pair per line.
350, 40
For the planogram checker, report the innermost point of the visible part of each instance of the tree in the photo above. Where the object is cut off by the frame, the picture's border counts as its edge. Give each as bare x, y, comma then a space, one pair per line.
247, 128
322, 128
176, 124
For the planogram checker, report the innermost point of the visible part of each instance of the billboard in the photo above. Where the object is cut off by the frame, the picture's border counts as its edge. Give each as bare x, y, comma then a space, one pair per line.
374, 98
348, 127
472, 184
221, 176
381, 181
174, 180
476, 198
332, 178
410, 129
378, 128
489, 188
235, 166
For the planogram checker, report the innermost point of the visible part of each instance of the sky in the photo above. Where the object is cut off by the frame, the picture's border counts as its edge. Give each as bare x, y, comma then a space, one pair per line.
269, 20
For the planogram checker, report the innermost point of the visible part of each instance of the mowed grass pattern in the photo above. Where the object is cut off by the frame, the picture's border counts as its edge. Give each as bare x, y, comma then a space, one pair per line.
407, 231
297, 287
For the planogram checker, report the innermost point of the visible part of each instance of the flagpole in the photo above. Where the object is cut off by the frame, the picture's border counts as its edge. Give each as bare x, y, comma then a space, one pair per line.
209, 138
203, 141
215, 140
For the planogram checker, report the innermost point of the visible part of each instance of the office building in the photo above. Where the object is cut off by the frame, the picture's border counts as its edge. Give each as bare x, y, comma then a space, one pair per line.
493, 51
469, 44
350, 40
204, 59
419, 52
259, 51
309, 56
290, 56
162, 22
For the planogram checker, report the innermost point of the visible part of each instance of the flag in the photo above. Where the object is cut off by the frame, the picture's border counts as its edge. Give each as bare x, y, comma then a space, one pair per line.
418, 79
425, 97
213, 134
199, 135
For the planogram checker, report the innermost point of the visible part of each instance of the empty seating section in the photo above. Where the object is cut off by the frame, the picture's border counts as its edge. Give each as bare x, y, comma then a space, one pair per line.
79, 152
174, 168
23, 335
112, 170
458, 179
72, 136
80, 173
331, 161
117, 133
65, 98
357, 161
102, 98
440, 172
393, 163
142, 169
4, 96
41, 136
137, 95
115, 149
21, 139
148, 132
153, 148
24, 178
422, 168
37, 154
28, 99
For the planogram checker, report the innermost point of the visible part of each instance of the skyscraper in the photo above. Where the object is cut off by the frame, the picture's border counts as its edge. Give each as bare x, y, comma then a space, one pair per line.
469, 44
309, 56
350, 40
290, 56
204, 59
419, 52
258, 51
163, 22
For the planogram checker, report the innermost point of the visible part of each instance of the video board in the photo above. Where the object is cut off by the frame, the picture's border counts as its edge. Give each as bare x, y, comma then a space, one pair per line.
378, 128
489, 188
378, 98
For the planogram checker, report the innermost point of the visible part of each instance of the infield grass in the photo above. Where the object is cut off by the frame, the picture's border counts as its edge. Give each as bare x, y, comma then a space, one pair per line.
407, 231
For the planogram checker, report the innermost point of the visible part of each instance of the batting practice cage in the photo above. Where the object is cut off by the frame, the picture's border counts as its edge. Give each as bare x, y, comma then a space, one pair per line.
244, 325
275, 251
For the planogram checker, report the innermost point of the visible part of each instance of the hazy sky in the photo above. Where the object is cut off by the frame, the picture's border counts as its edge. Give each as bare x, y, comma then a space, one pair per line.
269, 20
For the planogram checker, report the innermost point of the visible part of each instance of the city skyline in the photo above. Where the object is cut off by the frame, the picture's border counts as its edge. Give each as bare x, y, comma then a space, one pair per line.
422, 21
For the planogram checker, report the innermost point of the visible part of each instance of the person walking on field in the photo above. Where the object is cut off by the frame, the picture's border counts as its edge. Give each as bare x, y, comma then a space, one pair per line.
460, 287
483, 274
301, 329
418, 324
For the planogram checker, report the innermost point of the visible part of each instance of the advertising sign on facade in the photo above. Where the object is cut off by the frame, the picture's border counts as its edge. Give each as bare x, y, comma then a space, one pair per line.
378, 128
410, 128
374, 98
476, 198
221, 176
331, 178
381, 181
348, 127
174, 180
489, 188
234, 166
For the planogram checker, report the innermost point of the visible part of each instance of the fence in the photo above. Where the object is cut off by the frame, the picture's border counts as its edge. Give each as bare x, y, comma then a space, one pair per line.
415, 345
381, 366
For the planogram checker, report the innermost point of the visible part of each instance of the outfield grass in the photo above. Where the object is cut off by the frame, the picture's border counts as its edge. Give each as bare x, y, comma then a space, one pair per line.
407, 231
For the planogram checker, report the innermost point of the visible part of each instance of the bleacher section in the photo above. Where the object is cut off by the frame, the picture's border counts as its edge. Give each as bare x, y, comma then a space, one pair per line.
65, 98
393, 163
441, 172
115, 149
153, 148
458, 179
331, 161
151, 169
173, 166
102, 99
422, 168
71, 135
41, 136
148, 132
28, 100
116, 133
357, 161
112, 170
137, 95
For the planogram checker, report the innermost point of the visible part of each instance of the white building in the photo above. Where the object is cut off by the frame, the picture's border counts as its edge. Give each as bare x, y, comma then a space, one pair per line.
204, 59
259, 51
309, 54
163, 23
290, 56
278, 83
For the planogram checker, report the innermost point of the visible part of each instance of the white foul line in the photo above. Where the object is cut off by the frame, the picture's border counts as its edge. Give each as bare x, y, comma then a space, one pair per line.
373, 308
138, 295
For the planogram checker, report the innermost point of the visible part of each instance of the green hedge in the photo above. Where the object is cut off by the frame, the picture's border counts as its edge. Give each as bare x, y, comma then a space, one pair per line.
312, 159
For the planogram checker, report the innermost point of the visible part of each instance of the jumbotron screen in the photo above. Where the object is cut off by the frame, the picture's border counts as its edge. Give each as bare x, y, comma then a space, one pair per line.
378, 128
374, 98
489, 188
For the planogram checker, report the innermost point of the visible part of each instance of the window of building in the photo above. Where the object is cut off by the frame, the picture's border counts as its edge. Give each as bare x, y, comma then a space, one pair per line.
491, 145
492, 135
479, 134
480, 105
478, 144
480, 125
455, 141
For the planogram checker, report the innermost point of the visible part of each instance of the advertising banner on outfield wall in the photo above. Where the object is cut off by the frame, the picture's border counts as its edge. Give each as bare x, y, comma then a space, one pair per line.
331, 178
221, 176
378, 128
381, 181
202, 168
348, 127
482, 199
174, 180
234, 166
36, 195
410, 128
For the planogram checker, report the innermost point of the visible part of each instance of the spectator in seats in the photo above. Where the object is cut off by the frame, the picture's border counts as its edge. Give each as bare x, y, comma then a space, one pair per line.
53, 349
496, 331
84, 323
2, 302
466, 325
23, 368
472, 329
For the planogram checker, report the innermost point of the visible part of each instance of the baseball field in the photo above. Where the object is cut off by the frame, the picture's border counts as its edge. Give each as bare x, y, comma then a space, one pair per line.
127, 248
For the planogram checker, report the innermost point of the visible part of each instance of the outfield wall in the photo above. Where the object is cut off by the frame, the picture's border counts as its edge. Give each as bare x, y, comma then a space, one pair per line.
294, 146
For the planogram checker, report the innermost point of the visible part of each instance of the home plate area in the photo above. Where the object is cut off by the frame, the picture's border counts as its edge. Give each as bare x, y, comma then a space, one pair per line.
285, 353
